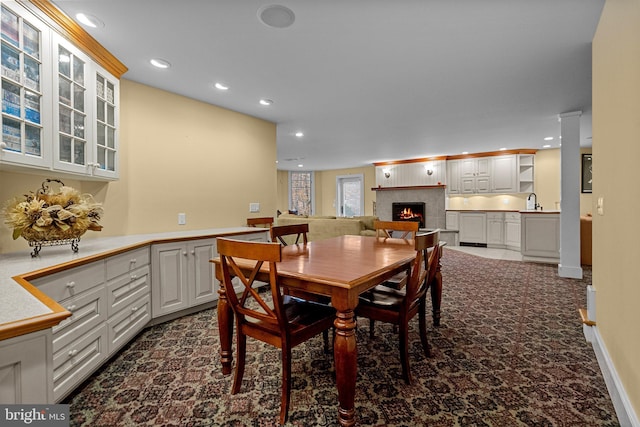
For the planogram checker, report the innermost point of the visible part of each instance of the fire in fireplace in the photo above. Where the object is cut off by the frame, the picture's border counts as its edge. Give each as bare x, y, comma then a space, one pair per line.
408, 211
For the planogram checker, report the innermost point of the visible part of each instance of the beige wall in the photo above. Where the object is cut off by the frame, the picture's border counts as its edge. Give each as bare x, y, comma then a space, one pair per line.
176, 155
616, 150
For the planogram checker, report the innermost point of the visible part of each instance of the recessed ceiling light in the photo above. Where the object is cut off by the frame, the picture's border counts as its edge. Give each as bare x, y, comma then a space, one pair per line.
300, 165
221, 86
265, 101
549, 138
546, 146
89, 20
299, 134
160, 63
276, 16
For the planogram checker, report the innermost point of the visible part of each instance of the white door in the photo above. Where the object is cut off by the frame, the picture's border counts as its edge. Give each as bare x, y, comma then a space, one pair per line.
350, 195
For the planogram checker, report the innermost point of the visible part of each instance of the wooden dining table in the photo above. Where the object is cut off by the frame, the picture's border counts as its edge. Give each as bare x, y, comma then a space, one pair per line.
341, 268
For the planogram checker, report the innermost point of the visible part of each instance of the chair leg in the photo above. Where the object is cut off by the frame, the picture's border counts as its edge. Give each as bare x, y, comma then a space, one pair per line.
422, 321
286, 385
404, 352
240, 362
372, 328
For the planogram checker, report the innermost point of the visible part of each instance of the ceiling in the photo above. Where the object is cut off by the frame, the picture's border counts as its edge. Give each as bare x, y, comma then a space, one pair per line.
368, 80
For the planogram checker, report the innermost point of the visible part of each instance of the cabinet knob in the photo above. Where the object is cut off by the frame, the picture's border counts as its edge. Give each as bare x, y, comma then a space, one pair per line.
134, 308
73, 353
3, 145
71, 285
184, 253
134, 276
133, 261
193, 252
72, 308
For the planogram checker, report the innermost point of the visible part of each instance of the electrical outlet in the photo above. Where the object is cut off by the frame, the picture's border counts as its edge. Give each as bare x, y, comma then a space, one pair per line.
182, 219
254, 207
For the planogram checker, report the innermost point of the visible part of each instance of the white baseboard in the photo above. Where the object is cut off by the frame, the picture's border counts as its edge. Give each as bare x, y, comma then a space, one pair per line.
625, 412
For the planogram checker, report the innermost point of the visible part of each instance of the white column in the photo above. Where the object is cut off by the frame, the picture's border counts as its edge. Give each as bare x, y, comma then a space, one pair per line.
570, 196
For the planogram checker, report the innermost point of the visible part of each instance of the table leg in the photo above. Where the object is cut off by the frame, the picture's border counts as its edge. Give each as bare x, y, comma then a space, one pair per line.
225, 328
345, 359
436, 294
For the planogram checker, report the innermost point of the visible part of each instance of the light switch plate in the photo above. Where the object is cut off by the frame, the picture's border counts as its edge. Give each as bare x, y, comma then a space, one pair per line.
182, 219
600, 206
254, 207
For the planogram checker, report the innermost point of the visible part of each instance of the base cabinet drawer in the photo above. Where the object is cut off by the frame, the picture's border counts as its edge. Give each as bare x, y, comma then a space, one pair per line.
65, 284
125, 324
73, 363
121, 292
88, 310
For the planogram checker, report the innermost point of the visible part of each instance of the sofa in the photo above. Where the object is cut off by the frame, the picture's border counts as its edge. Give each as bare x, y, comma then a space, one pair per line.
324, 227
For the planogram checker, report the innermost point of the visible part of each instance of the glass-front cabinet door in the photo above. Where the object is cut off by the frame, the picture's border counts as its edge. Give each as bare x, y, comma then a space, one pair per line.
71, 134
106, 125
24, 90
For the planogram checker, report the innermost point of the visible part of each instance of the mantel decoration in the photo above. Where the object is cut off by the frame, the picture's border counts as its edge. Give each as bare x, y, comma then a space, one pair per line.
49, 218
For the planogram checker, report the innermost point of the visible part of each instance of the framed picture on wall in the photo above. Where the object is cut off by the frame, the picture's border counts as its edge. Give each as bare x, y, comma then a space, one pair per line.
587, 173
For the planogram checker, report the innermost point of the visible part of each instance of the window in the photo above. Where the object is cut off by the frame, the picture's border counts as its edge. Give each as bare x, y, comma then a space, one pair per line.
350, 195
301, 194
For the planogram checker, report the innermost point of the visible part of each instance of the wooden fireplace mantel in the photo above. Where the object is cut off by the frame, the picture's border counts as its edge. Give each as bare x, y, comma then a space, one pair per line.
410, 187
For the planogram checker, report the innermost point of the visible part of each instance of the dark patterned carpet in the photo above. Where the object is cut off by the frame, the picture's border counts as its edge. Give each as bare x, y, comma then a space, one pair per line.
510, 352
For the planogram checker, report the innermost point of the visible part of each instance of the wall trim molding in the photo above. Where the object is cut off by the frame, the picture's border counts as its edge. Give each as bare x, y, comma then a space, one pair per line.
621, 403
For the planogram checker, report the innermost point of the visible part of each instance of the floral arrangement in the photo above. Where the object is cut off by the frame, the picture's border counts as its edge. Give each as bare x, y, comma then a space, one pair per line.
49, 216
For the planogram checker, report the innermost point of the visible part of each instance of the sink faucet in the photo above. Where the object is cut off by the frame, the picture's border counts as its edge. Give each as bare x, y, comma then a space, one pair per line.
536, 205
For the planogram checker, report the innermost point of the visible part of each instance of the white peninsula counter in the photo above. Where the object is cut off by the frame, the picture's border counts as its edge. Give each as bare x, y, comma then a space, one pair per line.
63, 314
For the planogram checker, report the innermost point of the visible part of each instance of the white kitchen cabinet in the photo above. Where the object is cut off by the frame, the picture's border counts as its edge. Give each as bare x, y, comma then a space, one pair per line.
473, 227
183, 275
59, 107
504, 174
453, 176
79, 341
26, 369
452, 219
128, 295
475, 175
495, 229
540, 237
512, 230
26, 89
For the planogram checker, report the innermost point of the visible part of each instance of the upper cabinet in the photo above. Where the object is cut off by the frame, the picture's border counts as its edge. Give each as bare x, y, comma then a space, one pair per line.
26, 91
494, 172
59, 104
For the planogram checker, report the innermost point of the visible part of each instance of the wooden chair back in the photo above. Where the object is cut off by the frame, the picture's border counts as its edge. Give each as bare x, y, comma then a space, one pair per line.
264, 222
423, 269
283, 322
279, 232
386, 228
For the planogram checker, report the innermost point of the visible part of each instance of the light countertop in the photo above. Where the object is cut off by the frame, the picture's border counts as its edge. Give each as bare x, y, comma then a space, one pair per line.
18, 305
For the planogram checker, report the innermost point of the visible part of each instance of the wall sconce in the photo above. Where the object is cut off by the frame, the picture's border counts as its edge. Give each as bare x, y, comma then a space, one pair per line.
386, 172
429, 172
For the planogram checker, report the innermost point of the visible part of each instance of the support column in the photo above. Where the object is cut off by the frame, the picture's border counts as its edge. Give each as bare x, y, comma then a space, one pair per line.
570, 196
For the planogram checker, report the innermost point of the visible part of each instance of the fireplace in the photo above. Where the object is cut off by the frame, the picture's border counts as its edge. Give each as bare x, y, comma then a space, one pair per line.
408, 211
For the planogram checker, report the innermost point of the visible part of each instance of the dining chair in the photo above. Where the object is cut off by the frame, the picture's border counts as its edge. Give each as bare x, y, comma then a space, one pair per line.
279, 232
399, 306
283, 322
386, 228
264, 222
